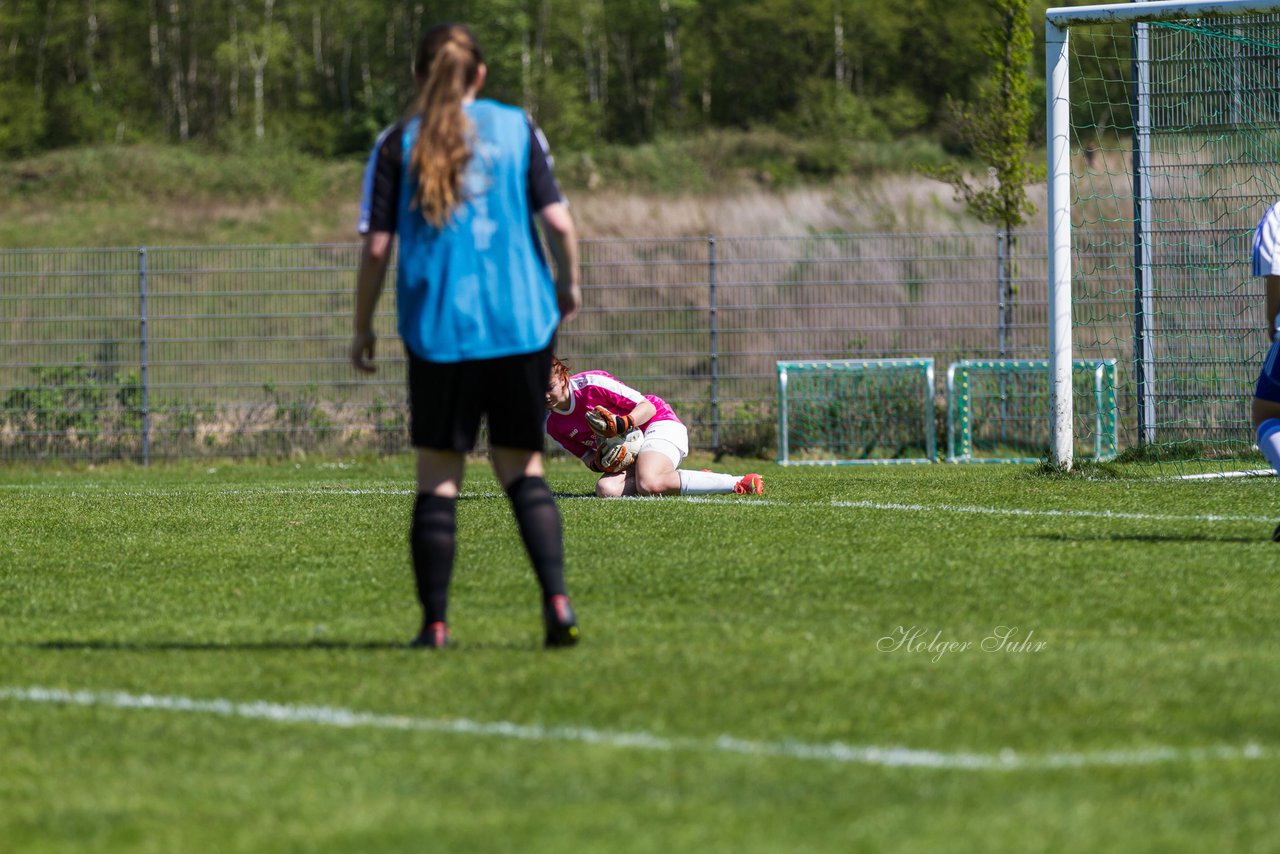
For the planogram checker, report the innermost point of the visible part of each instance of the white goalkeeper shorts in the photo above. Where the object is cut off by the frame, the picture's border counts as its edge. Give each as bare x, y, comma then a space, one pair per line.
669, 438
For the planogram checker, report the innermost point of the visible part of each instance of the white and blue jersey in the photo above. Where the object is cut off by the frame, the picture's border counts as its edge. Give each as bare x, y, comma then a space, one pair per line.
1266, 243
480, 287
1266, 262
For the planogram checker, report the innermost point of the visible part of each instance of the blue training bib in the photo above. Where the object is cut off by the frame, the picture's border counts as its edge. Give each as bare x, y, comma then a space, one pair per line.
480, 287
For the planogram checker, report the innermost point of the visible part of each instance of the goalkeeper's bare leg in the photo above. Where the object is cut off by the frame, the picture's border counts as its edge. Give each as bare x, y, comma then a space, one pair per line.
656, 474
657, 471
616, 484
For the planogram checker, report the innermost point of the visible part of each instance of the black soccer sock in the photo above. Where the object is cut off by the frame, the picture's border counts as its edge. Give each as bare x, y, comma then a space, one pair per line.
431, 540
539, 520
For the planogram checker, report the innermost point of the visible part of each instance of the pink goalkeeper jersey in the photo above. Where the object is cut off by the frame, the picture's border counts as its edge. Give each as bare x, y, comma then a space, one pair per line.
587, 391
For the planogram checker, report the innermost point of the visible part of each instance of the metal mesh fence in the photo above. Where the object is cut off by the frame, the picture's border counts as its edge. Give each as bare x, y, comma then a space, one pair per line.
171, 352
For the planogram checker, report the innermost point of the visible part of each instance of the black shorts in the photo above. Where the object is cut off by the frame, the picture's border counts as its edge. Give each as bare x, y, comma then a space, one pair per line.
447, 399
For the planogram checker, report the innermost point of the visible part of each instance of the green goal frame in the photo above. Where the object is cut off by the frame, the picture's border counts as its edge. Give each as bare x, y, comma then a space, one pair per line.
960, 405
922, 368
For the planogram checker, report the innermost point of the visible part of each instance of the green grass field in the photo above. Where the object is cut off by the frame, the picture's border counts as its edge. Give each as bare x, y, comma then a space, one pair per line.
211, 658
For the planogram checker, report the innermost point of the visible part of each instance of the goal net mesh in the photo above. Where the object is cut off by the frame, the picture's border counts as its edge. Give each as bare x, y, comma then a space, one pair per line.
1175, 144
856, 411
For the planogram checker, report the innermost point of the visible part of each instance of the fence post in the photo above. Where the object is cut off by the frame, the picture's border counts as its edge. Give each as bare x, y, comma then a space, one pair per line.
1002, 322
715, 392
142, 317
1002, 308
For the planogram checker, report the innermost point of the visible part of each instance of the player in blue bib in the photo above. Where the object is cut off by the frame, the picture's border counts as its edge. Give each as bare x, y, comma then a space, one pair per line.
463, 185
1266, 393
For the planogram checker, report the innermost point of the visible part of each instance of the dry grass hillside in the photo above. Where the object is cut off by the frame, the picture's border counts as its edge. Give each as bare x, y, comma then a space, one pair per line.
893, 203
889, 203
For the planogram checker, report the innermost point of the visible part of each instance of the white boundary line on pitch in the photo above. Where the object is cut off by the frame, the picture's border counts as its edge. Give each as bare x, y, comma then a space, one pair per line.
1215, 475
737, 501
1070, 514
988, 511
838, 752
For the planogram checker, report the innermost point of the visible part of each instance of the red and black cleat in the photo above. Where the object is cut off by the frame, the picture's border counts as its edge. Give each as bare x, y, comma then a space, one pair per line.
562, 625
432, 636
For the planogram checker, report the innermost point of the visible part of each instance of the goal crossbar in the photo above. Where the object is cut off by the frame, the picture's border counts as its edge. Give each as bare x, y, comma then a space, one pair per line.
1159, 10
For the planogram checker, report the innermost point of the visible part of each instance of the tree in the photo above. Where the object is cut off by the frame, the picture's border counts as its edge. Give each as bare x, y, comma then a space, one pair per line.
327, 74
258, 47
997, 125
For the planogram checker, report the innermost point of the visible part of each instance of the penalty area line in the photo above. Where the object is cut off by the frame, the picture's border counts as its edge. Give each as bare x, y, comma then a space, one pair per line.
833, 752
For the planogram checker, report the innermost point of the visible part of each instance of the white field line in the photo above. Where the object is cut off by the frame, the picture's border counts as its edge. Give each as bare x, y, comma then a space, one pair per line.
837, 752
1216, 475
110, 491
1071, 514
990, 511
707, 499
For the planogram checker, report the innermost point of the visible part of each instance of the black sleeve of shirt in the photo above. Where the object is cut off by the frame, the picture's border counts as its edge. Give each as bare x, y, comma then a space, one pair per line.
384, 200
543, 189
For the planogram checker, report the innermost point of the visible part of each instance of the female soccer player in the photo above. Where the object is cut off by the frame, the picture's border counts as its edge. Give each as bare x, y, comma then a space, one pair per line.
1266, 393
459, 182
575, 402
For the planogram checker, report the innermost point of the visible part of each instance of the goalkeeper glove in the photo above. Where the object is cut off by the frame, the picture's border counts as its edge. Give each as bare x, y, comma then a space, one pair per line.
605, 423
614, 458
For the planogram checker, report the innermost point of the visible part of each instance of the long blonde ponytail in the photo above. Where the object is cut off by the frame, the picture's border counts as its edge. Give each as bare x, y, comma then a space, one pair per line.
447, 65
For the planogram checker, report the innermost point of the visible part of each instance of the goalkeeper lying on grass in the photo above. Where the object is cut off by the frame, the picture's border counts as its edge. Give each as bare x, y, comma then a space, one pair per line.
591, 413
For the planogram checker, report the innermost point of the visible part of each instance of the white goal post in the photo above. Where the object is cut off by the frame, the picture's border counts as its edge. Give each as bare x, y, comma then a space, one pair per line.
1058, 24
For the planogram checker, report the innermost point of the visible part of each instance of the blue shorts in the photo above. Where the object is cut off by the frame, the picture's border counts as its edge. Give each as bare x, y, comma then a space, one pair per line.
1268, 387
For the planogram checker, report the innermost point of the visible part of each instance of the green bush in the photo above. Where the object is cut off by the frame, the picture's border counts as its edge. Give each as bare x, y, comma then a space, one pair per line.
833, 112
129, 396
157, 173
390, 425
300, 423
61, 400
74, 408
901, 111
79, 116
748, 429
22, 120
